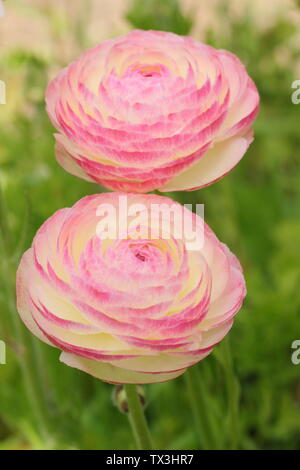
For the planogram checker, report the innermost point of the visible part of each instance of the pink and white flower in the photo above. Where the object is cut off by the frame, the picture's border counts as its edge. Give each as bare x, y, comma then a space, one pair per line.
152, 110
131, 309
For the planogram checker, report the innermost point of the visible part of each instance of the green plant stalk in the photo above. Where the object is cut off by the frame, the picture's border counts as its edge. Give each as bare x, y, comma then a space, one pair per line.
32, 387
22, 339
33, 390
232, 388
137, 418
200, 409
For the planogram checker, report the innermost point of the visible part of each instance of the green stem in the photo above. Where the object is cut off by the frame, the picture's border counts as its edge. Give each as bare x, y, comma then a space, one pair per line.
22, 338
137, 418
32, 386
232, 387
34, 394
200, 408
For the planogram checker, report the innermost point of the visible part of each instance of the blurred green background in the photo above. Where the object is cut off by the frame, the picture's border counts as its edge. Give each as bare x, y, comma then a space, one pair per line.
255, 210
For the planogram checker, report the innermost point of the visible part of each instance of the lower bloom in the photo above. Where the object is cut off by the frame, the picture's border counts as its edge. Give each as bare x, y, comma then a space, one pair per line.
139, 307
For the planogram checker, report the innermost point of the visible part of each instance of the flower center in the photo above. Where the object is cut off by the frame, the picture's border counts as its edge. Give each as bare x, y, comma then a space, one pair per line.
141, 252
140, 256
148, 71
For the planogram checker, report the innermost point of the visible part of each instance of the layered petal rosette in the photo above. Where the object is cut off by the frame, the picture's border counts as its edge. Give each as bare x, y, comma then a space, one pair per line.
121, 292
152, 110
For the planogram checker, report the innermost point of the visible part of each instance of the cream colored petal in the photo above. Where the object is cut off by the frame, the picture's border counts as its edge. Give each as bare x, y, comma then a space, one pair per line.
109, 373
217, 161
23, 278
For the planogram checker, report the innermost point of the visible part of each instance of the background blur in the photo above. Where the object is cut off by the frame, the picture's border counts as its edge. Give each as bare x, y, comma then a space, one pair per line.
255, 210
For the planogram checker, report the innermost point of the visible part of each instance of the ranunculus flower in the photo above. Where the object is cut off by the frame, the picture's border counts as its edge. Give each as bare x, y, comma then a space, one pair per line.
129, 309
152, 110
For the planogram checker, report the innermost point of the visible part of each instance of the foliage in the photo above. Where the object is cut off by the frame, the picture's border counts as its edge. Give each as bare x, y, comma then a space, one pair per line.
161, 15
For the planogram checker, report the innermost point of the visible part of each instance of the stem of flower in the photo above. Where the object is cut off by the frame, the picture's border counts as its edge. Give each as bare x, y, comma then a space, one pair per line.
23, 340
232, 387
137, 418
200, 408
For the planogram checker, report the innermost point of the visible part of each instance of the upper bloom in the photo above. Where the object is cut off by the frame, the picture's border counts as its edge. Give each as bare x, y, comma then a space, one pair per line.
136, 308
152, 110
